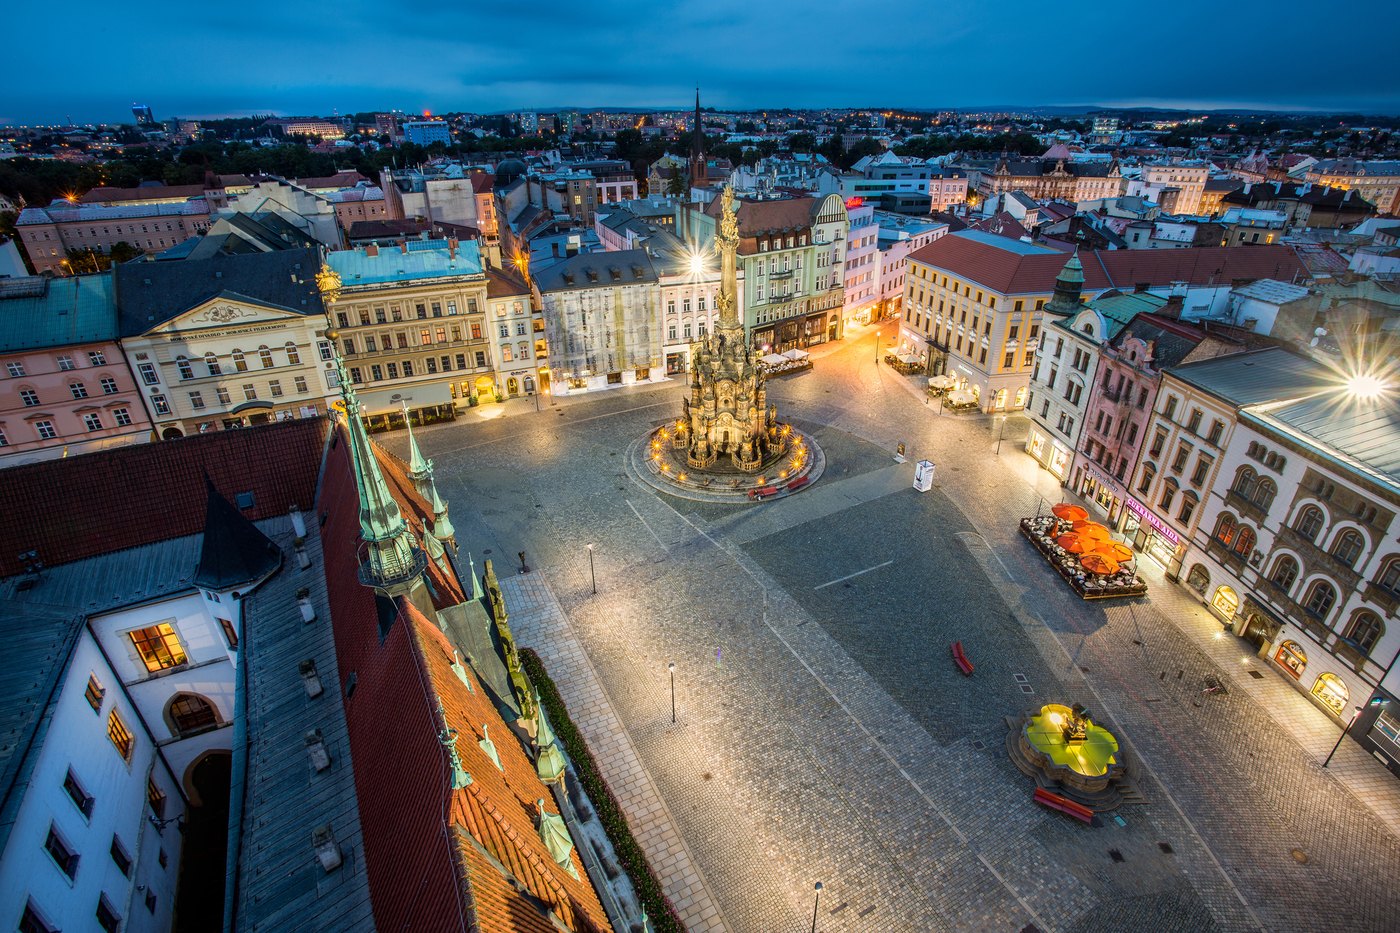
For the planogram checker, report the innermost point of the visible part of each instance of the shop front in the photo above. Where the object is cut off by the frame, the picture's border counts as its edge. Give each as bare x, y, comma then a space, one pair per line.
1100, 491
1049, 453
1377, 729
1153, 536
383, 409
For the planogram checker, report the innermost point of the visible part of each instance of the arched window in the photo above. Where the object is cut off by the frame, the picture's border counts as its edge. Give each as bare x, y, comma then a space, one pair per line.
1198, 579
1366, 629
1244, 483
190, 713
239, 363
1309, 522
265, 357
1348, 546
1332, 692
1264, 492
293, 357
1389, 577
1285, 572
1320, 599
1226, 601
1225, 529
212, 363
1244, 541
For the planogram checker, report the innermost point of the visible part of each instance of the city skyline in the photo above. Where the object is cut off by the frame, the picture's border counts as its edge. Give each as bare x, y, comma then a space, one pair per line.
618, 56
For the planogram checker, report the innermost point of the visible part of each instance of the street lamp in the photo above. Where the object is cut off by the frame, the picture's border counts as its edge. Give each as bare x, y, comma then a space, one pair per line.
877, 348
1349, 724
1001, 434
671, 667
815, 901
591, 575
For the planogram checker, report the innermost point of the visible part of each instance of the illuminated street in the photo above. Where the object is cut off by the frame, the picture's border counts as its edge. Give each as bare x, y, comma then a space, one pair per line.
823, 732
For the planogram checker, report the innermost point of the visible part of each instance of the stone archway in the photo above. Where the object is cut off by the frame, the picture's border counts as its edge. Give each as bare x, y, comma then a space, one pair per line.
170, 434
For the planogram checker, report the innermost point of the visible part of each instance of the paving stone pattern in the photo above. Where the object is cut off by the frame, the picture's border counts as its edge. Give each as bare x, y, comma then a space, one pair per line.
823, 733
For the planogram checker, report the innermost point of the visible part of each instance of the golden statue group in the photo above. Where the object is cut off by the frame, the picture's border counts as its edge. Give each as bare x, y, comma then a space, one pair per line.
727, 413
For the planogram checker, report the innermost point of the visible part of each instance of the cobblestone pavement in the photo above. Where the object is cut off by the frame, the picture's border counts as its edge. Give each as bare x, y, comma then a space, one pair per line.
822, 732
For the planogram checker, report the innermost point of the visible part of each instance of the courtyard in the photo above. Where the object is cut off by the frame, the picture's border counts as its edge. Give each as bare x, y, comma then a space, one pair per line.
822, 731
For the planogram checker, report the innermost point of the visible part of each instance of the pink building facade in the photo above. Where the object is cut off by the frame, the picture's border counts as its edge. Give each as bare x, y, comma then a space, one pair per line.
48, 233
1118, 415
65, 387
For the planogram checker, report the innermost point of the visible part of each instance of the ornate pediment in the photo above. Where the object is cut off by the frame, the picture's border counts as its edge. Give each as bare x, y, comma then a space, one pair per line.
225, 313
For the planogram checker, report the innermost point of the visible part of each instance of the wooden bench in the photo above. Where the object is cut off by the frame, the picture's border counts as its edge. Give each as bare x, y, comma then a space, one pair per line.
960, 659
1064, 805
798, 483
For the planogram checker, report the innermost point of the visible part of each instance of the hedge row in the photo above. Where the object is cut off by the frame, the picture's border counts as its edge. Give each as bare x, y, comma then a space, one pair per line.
660, 914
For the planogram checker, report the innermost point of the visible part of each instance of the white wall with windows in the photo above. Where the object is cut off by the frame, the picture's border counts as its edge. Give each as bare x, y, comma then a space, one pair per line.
86, 851
176, 661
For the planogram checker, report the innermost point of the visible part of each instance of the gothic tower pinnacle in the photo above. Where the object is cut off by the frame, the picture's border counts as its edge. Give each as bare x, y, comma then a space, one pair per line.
698, 174
392, 562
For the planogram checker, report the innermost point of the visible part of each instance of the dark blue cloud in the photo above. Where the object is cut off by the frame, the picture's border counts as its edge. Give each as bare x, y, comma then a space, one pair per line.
370, 54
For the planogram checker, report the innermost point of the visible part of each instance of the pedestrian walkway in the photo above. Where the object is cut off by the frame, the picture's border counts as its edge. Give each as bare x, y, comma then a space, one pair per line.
539, 623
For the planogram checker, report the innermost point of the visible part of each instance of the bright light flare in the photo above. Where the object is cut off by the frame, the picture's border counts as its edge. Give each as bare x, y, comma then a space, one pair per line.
1366, 387
697, 264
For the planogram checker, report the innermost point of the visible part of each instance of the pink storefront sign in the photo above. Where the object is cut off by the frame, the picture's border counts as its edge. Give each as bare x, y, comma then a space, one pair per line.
1152, 521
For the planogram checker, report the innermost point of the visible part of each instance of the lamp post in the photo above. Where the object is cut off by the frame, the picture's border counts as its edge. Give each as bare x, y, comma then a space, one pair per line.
815, 901
1001, 434
1347, 729
591, 575
671, 668
877, 347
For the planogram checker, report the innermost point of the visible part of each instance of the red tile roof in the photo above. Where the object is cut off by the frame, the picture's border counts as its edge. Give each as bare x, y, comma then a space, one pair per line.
483, 182
437, 858
79, 507
346, 179
1016, 271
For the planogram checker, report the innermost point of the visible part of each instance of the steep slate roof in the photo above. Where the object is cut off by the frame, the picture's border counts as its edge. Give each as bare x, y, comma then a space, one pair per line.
595, 270
152, 293
1259, 376
1170, 340
503, 283
151, 492
38, 312
1364, 433
1008, 267
234, 552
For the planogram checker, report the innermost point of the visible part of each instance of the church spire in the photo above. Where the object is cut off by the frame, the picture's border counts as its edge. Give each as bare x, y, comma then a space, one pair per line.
420, 469
698, 174
392, 563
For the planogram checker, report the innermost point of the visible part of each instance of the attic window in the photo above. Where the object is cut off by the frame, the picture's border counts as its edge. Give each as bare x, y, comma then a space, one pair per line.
244, 500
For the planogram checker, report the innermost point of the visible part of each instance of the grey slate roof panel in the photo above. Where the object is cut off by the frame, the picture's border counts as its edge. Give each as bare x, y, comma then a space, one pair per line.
151, 293
1258, 376
281, 885
1366, 432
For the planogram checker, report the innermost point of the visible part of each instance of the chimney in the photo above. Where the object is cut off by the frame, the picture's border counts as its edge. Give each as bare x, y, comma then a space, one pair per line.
1172, 309
452, 247
372, 250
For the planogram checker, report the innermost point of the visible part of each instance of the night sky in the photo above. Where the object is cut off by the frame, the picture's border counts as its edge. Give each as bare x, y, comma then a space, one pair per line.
200, 60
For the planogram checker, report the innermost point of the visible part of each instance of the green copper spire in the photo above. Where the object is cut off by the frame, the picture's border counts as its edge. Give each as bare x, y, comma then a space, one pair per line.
549, 764
448, 737
555, 836
477, 591
420, 469
393, 561
1069, 286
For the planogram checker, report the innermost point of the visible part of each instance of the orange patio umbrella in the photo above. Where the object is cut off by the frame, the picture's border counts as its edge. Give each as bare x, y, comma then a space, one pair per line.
1099, 564
1091, 530
1073, 543
1070, 512
1114, 549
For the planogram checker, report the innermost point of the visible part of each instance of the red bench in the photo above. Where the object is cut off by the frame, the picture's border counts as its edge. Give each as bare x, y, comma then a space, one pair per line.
798, 483
960, 659
1066, 806
760, 494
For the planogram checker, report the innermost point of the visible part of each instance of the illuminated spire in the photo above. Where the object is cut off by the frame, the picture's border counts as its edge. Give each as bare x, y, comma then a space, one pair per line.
420, 469
392, 563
